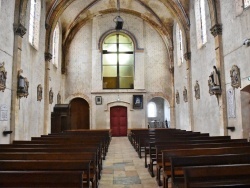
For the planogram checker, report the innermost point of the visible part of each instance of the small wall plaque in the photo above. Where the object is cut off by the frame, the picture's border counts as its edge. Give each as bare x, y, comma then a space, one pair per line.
3, 113
98, 100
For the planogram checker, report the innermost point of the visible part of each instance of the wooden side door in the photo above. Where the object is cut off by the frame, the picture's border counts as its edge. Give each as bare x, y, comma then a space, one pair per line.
79, 112
118, 121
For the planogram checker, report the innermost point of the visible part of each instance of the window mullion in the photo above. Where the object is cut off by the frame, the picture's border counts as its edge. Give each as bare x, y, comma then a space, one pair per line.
117, 54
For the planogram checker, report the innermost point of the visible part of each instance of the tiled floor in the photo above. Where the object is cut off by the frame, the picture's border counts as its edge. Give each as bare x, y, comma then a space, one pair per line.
123, 168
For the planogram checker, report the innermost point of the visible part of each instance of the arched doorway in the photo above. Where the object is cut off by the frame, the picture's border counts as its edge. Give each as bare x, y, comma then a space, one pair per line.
158, 112
79, 111
245, 111
118, 121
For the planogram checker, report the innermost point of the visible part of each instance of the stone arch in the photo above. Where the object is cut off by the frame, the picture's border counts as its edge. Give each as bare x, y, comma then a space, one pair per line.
245, 111
165, 35
214, 11
163, 112
131, 35
79, 95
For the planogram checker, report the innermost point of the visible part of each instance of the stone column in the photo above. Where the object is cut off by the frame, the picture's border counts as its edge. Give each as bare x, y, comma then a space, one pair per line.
187, 57
19, 31
216, 31
47, 121
172, 102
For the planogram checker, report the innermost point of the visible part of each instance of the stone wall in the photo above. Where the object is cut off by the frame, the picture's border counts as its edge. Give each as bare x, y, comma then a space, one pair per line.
206, 109
6, 56
235, 31
84, 64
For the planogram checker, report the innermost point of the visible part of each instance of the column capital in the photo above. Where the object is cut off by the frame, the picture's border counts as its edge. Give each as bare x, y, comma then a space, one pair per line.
216, 30
19, 29
48, 56
187, 56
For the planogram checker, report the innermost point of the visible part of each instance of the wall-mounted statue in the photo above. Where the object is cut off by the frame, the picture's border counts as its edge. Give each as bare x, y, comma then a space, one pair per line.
185, 94
39, 92
197, 90
177, 96
3, 77
22, 85
214, 82
59, 98
51, 94
235, 76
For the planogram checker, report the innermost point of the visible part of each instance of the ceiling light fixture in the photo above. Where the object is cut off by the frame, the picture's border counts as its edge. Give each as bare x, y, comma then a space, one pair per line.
118, 20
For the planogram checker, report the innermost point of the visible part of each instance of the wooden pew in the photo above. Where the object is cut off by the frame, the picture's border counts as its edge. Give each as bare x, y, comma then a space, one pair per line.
175, 138
45, 179
180, 162
135, 134
235, 175
190, 144
47, 165
64, 154
144, 139
74, 139
50, 144
106, 134
166, 154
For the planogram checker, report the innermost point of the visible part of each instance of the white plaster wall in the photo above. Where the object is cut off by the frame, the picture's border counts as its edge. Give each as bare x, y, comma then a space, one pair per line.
235, 30
84, 71
6, 55
31, 112
157, 77
56, 79
206, 109
79, 65
245, 109
180, 80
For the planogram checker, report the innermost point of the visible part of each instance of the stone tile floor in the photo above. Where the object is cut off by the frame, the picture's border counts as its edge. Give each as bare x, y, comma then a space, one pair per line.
123, 168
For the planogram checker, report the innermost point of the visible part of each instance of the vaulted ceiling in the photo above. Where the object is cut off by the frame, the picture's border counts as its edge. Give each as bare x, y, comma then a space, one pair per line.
73, 14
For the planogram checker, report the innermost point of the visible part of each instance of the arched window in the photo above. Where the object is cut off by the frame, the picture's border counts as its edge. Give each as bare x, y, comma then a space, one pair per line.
34, 24
200, 23
55, 46
152, 111
118, 62
246, 3
179, 43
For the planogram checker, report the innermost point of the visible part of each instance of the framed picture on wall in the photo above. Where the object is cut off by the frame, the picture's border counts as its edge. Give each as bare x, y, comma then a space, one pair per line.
98, 100
138, 101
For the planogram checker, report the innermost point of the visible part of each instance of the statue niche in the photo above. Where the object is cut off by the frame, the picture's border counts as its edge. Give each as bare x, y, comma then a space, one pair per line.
3, 77
185, 94
59, 98
177, 96
197, 90
214, 82
39, 92
51, 94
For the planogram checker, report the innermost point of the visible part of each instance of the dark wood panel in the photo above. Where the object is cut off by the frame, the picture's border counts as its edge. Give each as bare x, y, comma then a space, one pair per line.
79, 114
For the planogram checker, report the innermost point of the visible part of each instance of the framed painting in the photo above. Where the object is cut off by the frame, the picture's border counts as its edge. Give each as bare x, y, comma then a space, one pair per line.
98, 100
138, 101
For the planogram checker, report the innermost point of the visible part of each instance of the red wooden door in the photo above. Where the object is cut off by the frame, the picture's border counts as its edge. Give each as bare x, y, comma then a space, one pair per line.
118, 121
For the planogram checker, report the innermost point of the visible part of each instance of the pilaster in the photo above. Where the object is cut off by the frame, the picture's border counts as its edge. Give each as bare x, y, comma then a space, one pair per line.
216, 31
187, 57
172, 102
47, 58
19, 31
